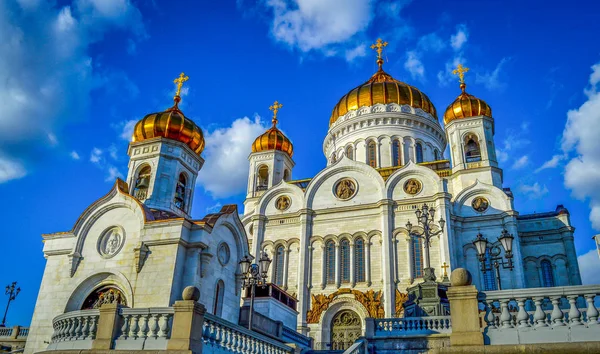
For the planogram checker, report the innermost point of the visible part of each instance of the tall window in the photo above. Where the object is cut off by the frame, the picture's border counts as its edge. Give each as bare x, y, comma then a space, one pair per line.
142, 182
279, 265
330, 262
262, 179
396, 153
372, 154
359, 260
219, 291
436, 155
417, 259
547, 277
489, 277
345, 261
419, 151
350, 153
179, 199
472, 151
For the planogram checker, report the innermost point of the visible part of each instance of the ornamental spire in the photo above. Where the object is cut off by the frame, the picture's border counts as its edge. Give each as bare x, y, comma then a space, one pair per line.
460, 72
179, 82
378, 47
275, 108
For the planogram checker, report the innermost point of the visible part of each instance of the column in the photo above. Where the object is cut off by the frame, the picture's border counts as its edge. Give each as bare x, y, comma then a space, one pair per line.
304, 267
396, 276
413, 151
352, 276
337, 264
368, 262
323, 266
286, 264
409, 256
389, 287
446, 240
259, 235
309, 268
401, 152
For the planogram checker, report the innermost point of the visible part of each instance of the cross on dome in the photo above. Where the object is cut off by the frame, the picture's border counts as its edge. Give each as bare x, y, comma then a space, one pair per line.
179, 82
275, 108
460, 72
378, 47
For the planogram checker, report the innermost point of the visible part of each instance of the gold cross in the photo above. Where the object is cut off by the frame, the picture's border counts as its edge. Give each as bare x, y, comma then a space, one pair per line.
379, 45
460, 71
179, 82
444, 267
275, 108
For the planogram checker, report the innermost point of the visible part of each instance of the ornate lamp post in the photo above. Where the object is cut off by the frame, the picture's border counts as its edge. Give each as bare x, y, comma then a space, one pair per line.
506, 240
254, 274
425, 218
12, 294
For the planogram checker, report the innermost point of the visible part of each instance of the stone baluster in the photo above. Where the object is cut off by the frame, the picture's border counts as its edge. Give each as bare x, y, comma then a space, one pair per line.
155, 328
557, 315
592, 311
166, 327
505, 317
490, 317
539, 316
71, 329
144, 328
93, 327
522, 315
574, 314
85, 329
125, 327
67, 329
135, 328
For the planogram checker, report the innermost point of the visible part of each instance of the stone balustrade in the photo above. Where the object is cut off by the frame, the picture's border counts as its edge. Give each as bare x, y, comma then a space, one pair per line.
359, 347
74, 330
291, 336
144, 328
13, 337
412, 326
540, 315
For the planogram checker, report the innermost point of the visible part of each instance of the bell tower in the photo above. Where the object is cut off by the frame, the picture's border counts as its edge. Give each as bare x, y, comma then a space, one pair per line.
165, 159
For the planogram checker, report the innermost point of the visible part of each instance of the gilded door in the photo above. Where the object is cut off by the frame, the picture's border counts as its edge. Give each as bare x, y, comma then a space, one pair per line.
345, 329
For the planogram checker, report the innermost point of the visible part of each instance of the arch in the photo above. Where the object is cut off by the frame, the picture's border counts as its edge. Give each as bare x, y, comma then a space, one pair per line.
219, 293
262, 178
330, 262
345, 261
180, 192
436, 155
337, 305
349, 152
106, 294
547, 273
96, 281
359, 260
472, 148
345, 329
279, 265
396, 153
372, 153
142, 182
419, 152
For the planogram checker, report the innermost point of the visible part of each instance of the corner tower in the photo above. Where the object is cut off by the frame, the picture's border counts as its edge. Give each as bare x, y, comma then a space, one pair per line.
165, 159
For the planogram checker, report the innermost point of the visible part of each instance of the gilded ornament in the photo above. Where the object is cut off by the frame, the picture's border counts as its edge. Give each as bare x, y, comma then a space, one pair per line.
283, 203
465, 105
412, 186
401, 298
480, 204
179, 82
345, 189
371, 300
273, 138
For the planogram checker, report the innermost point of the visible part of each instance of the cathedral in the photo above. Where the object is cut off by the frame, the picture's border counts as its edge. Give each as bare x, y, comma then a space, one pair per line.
344, 243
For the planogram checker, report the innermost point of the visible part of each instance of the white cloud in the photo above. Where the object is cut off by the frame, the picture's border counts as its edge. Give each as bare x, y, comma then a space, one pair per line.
552, 163
52, 139
96, 155
460, 38
431, 42
446, 77
225, 172
521, 162
125, 128
580, 140
493, 80
214, 208
113, 174
501, 155
358, 51
74, 155
534, 191
10, 169
589, 264
414, 65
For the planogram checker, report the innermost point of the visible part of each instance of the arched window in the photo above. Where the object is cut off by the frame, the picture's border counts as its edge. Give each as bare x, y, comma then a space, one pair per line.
345, 261
262, 179
417, 258
286, 175
279, 265
179, 199
489, 277
142, 182
372, 154
359, 260
547, 276
219, 291
396, 159
330, 262
472, 151
436, 155
349, 152
419, 152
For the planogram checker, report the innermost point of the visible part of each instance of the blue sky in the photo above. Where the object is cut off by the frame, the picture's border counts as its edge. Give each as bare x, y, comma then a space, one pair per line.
75, 75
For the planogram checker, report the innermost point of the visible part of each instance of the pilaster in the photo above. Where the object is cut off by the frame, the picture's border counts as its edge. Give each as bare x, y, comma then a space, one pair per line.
389, 286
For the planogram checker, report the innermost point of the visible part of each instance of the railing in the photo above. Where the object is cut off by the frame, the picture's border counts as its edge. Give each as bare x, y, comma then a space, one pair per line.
23, 332
220, 336
412, 326
540, 315
359, 347
147, 328
74, 330
291, 336
6, 332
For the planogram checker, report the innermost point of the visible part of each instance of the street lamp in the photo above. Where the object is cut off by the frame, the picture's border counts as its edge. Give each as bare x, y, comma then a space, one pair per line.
254, 274
506, 240
425, 218
12, 294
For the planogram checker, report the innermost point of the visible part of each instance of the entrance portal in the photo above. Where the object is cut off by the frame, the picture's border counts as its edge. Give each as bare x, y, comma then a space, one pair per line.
345, 329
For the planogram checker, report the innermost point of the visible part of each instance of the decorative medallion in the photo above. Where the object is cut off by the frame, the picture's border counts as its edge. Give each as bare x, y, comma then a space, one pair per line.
223, 253
480, 204
345, 189
283, 203
111, 242
412, 186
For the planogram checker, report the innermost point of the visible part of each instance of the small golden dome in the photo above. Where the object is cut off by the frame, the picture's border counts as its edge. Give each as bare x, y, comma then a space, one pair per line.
170, 124
382, 88
273, 138
465, 106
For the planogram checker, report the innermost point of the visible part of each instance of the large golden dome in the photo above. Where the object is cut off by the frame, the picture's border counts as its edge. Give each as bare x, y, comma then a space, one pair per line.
465, 106
382, 88
273, 138
171, 124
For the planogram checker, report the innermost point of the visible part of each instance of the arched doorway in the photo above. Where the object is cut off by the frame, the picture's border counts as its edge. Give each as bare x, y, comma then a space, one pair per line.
345, 329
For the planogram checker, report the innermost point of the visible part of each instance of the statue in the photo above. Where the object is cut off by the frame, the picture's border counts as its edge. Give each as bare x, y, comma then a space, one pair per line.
345, 189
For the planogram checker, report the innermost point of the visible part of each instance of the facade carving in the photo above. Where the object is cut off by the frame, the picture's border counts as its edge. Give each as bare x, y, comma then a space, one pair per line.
370, 299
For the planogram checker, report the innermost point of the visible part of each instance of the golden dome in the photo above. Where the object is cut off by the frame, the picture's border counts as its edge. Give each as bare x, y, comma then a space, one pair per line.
170, 124
382, 88
273, 138
465, 106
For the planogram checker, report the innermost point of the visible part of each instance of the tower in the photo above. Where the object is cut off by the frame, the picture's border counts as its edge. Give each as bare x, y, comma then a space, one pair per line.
165, 159
470, 132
